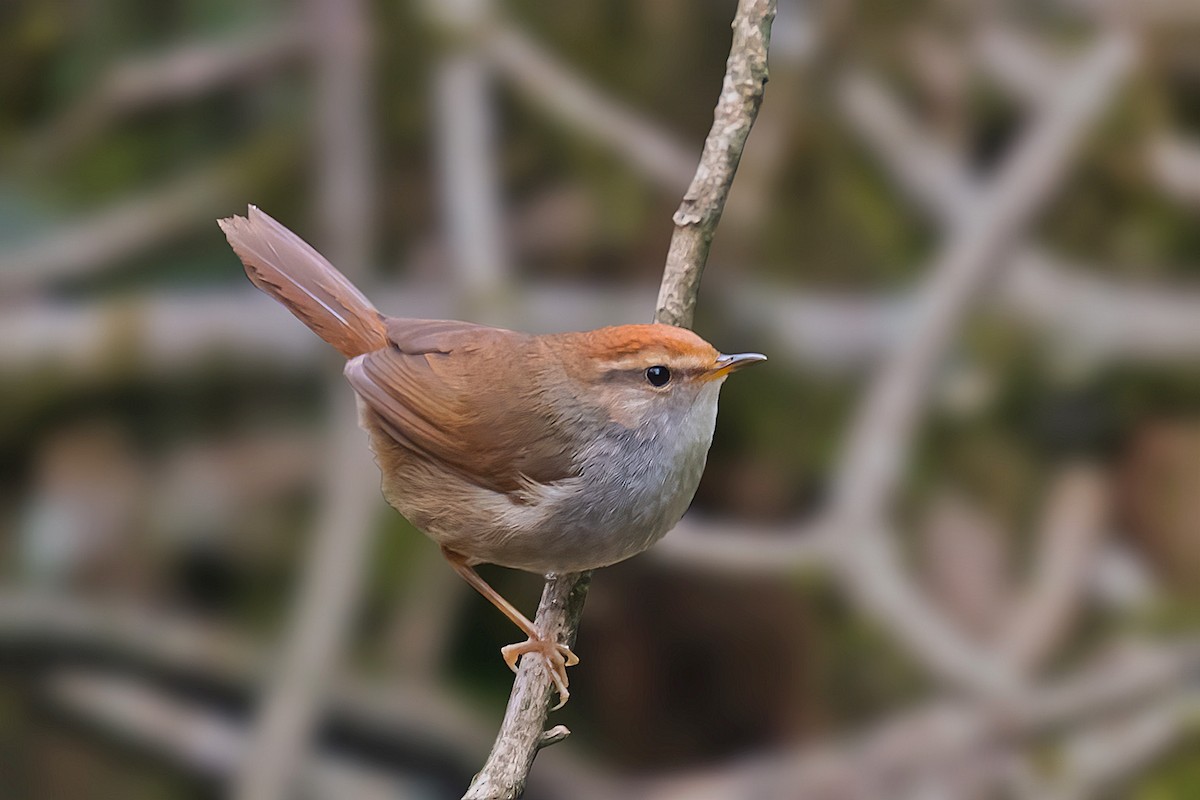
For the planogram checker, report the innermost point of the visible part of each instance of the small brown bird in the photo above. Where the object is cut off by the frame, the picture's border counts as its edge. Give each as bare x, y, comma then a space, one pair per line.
553, 453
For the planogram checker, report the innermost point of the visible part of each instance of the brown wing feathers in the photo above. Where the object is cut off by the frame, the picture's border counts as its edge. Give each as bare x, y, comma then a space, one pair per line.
284, 266
433, 408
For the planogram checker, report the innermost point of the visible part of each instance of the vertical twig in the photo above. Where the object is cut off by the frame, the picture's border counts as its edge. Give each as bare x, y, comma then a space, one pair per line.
333, 572
1070, 535
467, 165
698, 214
522, 733
344, 155
316, 632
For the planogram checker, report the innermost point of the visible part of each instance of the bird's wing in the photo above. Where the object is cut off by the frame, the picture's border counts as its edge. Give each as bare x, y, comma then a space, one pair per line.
435, 389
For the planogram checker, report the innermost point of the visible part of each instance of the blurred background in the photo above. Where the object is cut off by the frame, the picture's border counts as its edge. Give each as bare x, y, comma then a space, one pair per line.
175, 448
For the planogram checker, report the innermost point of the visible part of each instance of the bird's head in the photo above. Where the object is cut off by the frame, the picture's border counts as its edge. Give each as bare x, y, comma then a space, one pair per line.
645, 372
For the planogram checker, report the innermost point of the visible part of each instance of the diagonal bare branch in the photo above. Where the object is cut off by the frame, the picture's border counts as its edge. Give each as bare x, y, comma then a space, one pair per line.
881, 435
555, 86
1072, 531
187, 71
125, 228
918, 747
704, 545
521, 734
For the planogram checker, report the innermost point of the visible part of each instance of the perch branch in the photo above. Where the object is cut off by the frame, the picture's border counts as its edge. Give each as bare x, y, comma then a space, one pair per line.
698, 214
521, 734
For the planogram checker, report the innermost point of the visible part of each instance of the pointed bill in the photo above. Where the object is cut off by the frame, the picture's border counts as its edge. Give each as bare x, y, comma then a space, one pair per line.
731, 363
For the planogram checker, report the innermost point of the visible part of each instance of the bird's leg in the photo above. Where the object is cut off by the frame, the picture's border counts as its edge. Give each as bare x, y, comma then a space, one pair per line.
557, 656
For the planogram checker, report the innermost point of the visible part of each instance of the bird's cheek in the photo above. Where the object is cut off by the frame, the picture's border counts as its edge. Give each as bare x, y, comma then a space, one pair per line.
627, 411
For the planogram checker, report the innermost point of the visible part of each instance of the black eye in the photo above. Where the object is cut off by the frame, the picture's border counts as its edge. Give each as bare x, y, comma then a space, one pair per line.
658, 376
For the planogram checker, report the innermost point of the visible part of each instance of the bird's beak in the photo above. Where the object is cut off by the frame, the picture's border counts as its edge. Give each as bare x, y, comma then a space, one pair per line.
731, 363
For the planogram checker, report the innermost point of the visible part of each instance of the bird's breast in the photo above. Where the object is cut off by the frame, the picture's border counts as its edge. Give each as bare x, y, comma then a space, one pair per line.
634, 485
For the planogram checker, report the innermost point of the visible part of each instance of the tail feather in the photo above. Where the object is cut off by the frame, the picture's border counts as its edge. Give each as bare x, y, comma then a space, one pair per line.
284, 266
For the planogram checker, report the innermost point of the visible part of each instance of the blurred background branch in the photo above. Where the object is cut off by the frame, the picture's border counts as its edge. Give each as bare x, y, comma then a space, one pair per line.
879, 439
972, 225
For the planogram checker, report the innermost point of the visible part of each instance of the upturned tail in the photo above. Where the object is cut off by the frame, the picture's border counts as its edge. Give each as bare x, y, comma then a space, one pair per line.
284, 266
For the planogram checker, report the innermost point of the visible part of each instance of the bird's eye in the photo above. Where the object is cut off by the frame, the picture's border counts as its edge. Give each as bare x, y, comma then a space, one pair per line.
658, 375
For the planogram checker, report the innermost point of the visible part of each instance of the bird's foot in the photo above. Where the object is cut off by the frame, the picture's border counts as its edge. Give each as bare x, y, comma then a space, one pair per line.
557, 658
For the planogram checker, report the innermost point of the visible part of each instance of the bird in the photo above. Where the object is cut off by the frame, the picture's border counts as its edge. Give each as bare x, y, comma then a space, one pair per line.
548, 453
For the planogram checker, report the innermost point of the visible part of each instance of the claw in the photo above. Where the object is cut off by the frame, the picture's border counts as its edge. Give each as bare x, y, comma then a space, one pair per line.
557, 657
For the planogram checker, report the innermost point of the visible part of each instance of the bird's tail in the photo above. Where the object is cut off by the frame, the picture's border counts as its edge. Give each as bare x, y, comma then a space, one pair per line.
284, 266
